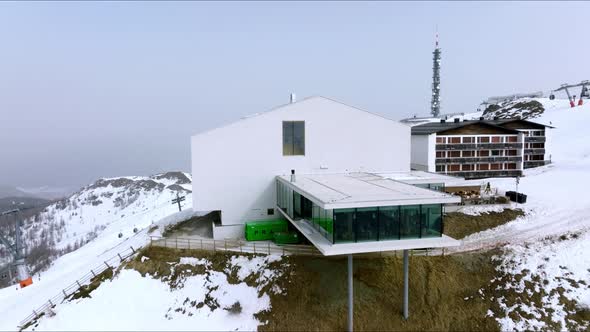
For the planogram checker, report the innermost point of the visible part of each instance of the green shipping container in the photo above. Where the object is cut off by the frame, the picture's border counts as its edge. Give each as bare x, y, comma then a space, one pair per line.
286, 238
264, 229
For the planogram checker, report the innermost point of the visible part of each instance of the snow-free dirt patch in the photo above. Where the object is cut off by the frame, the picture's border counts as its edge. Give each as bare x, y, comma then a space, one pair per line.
459, 225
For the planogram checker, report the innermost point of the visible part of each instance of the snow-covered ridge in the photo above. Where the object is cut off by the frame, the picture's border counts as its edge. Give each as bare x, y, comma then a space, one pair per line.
132, 202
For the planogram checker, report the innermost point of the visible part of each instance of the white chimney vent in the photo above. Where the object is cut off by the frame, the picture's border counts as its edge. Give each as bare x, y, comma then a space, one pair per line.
292, 98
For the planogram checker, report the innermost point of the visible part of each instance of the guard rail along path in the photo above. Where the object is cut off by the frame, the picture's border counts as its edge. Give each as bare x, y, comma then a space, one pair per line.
63, 295
266, 247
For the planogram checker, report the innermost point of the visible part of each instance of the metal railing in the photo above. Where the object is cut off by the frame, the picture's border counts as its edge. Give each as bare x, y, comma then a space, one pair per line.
487, 174
268, 248
111, 263
478, 146
240, 246
460, 160
536, 163
535, 139
534, 151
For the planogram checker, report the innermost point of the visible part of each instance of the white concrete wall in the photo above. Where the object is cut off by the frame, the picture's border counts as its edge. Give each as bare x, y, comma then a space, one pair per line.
548, 146
234, 166
228, 232
423, 152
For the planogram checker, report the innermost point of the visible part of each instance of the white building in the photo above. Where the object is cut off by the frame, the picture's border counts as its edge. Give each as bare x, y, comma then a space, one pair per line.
339, 175
234, 166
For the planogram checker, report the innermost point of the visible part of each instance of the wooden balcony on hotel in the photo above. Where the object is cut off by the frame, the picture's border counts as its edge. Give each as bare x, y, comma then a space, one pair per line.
470, 160
534, 151
535, 139
478, 146
487, 174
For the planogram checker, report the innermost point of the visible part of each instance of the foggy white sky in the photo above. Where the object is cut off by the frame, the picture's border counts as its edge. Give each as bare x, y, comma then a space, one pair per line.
108, 89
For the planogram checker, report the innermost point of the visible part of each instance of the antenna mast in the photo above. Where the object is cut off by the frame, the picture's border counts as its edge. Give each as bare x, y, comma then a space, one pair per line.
435, 104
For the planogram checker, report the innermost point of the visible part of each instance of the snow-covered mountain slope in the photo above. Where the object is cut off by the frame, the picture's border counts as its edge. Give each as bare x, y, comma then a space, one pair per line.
125, 203
525, 108
17, 303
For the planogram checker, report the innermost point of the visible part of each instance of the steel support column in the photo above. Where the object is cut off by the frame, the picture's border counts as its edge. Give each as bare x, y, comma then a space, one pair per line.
406, 273
350, 294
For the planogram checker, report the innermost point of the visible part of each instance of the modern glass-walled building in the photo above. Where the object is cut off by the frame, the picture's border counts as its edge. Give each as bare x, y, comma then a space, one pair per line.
361, 208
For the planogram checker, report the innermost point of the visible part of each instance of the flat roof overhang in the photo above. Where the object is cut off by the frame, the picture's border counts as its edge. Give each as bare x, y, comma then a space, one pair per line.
329, 249
359, 190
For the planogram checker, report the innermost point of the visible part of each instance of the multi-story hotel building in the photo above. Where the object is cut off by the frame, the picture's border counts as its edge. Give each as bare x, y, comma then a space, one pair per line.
535, 140
478, 149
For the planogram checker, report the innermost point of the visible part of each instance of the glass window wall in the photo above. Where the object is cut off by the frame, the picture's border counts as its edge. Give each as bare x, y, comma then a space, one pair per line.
367, 224
410, 222
389, 223
343, 225
432, 220
364, 224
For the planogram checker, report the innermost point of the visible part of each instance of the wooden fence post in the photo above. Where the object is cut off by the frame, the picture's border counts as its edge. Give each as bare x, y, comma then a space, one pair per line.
176, 242
254, 243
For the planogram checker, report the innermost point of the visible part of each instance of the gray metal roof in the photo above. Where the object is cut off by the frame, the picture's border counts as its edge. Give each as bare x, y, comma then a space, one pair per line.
436, 127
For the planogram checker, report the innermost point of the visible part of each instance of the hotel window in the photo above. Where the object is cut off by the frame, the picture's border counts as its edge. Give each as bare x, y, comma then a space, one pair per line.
511, 152
496, 139
512, 139
467, 167
496, 153
440, 154
454, 168
441, 140
454, 139
510, 166
483, 140
496, 166
468, 153
483, 153
454, 154
483, 167
440, 168
468, 139
293, 138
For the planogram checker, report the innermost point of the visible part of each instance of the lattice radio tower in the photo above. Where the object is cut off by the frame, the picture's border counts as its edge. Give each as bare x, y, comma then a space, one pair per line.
435, 104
